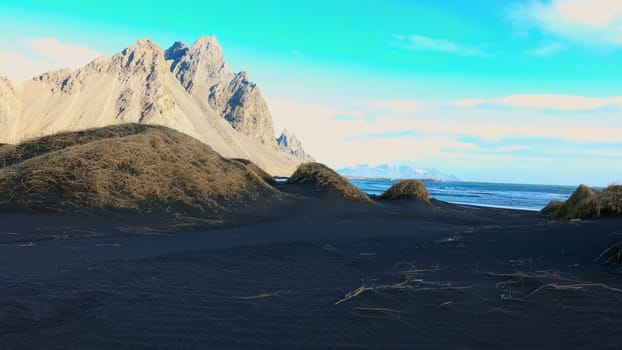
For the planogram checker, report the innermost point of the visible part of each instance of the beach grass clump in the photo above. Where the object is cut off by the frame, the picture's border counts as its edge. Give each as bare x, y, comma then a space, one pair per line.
130, 168
586, 202
583, 203
610, 200
315, 179
407, 189
551, 209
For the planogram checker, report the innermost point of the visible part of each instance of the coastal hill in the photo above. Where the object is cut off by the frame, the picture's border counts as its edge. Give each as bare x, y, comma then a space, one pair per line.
131, 169
189, 89
394, 171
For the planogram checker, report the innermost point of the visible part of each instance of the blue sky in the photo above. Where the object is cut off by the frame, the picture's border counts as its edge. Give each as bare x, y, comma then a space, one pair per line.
489, 90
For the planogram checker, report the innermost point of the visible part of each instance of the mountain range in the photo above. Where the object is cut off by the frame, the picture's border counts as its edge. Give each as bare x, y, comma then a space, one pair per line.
394, 171
187, 88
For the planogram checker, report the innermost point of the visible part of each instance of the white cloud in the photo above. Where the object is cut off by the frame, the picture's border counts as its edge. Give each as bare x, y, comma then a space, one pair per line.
422, 43
19, 67
443, 132
400, 106
62, 53
593, 21
30, 57
544, 101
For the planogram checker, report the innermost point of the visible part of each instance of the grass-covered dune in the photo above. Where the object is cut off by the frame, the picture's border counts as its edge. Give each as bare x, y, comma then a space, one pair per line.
318, 180
130, 168
586, 202
407, 189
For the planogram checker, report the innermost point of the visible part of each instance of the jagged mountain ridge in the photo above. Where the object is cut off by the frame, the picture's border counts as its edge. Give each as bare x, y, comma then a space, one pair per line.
289, 144
202, 71
394, 171
145, 84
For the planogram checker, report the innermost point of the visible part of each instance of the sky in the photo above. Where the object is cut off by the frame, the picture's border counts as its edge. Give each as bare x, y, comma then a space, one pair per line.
521, 91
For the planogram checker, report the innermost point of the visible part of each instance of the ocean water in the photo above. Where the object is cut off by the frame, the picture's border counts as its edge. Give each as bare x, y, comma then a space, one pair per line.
514, 196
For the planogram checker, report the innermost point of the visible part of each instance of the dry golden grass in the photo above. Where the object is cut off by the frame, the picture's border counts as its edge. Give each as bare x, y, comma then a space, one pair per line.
582, 203
407, 189
128, 168
586, 202
317, 179
551, 208
610, 200
12, 154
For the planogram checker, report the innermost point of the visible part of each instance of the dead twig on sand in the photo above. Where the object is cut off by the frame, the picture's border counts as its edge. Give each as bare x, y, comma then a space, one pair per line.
411, 272
537, 276
354, 293
445, 304
405, 285
578, 286
612, 254
546, 279
264, 295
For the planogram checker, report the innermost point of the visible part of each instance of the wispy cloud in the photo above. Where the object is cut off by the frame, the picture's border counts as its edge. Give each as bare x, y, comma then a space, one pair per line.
62, 53
415, 42
29, 57
514, 148
594, 21
544, 102
383, 135
399, 106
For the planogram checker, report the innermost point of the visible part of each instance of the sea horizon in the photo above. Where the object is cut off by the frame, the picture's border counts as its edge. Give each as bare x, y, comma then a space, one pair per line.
532, 197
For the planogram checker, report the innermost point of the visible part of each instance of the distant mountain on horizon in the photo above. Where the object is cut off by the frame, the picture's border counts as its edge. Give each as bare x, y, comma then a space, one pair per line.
187, 88
395, 171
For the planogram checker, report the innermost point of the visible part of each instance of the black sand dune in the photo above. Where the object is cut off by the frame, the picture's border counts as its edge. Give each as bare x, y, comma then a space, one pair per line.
323, 268
320, 276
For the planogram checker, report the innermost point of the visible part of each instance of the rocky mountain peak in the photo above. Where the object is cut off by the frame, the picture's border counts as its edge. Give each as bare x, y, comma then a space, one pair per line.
177, 51
143, 55
198, 67
241, 104
142, 46
202, 71
289, 144
208, 41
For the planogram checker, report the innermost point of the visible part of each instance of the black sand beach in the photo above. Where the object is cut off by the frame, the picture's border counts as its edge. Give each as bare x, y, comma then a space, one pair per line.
312, 274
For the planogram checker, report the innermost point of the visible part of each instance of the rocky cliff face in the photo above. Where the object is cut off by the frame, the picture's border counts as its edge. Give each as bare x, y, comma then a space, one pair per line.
144, 84
242, 105
10, 104
202, 71
289, 144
